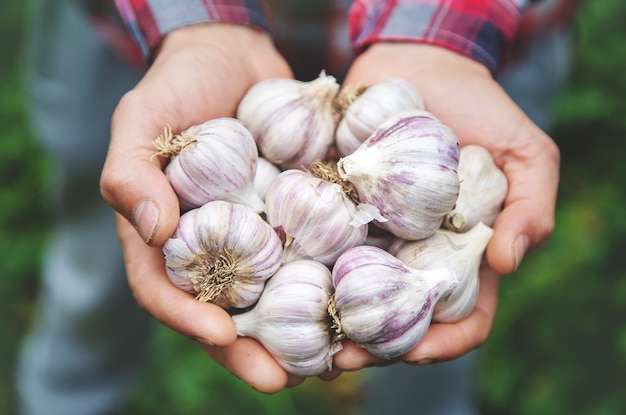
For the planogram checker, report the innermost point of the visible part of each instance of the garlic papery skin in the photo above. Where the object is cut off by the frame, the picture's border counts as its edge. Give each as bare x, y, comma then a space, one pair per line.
291, 318
292, 121
266, 172
461, 253
482, 192
408, 170
383, 305
366, 109
215, 160
223, 253
314, 215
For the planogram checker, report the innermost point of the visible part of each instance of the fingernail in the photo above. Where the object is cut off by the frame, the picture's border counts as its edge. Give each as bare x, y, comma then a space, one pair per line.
520, 246
203, 341
146, 218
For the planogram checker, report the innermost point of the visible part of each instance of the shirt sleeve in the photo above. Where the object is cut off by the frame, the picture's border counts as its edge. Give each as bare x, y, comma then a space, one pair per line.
150, 20
483, 30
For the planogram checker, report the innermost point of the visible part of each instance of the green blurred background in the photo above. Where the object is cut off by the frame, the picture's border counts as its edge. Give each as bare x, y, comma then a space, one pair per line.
559, 341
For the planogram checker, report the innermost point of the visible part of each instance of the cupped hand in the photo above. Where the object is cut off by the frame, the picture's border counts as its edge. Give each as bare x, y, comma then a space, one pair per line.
463, 95
201, 72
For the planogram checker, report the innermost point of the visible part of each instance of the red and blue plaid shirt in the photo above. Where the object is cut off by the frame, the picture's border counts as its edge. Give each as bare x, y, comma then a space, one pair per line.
326, 34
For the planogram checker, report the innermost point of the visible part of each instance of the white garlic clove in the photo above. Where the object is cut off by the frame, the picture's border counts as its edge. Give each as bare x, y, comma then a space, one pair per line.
291, 318
408, 170
461, 253
384, 305
314, 215
266, 172
223, 253
482, 191
368, 109
215, 160
292, 121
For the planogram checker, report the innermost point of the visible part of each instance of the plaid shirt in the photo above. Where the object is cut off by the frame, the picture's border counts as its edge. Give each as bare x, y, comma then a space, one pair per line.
326, 34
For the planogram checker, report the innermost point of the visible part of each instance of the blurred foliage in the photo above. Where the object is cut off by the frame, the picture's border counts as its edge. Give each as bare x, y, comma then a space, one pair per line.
23, 214
180, 379
558, 345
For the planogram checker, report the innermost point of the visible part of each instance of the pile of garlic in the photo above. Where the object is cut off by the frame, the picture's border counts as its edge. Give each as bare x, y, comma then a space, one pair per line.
305, 249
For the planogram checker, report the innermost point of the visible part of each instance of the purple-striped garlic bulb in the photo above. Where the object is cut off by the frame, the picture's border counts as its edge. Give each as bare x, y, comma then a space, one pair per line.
291, 318
292, 121
461, 253
222, 253
315, 216
364, 109
382, 304
483, 190
407, 169
215, 160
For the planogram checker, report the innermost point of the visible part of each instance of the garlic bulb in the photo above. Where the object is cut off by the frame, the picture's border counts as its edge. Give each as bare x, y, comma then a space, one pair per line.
462, 254
384, 305
314, 215
291, 318
215, 160
292, 121
366, 109
408, 170
266, 172
223, 253
483, 189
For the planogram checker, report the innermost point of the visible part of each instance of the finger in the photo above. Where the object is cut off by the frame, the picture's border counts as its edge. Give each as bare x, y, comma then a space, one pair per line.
251, 362
352, 357
445, 342
331, 374
173, 307
527, 220
294, 380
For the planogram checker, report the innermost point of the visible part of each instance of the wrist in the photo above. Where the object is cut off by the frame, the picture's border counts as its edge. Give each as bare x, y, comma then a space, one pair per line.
245, 49
420, 63
213, 35
427, 57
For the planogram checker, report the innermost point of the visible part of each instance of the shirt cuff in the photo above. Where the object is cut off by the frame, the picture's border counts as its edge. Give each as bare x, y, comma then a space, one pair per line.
148, 21
481, 30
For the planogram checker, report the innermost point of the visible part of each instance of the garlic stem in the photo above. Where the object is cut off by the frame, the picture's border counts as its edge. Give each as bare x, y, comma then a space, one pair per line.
328, 172
347, 96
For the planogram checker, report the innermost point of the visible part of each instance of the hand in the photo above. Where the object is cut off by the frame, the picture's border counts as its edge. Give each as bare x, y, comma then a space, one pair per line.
464, 96
200, 72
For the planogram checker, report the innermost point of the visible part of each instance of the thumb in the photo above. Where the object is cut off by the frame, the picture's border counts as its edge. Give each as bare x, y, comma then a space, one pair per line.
515, 233
132, 179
